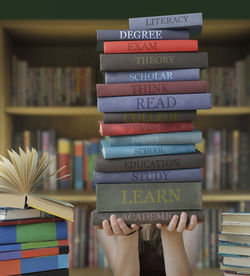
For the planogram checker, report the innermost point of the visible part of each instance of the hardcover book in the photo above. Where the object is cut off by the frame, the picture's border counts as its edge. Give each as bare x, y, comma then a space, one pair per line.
143, 128
150, 46
147, 163
14, 213
135, 151
22, 176
145, 61
113, 35
149, 117
150, 88
154, 103
29, 221
148, 196
144, 217
181, 175
153, 76
235, 269
171, 138
190, 21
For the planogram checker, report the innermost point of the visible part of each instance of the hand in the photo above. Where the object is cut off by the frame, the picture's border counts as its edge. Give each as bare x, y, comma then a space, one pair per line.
179, 225
117, 227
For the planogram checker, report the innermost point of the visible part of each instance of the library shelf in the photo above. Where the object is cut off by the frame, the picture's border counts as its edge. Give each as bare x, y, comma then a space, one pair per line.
92, 111
88, 196
95, 271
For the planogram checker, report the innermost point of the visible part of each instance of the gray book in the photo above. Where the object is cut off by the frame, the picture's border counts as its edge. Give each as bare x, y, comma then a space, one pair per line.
190, 21
148, 196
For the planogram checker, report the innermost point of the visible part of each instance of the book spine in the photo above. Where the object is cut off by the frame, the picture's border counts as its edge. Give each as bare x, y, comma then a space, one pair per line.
172, 138
187, 175
154, 103
217, 159
63, 148
149, 117
148, 197
76, 246
152, 76
78, 165
150, 46
150, 88
106, 35
235, 161
70, 229
45, 148
144, 61
141, 128
147, 217
135, 151
164, 162
83, 236
191, 21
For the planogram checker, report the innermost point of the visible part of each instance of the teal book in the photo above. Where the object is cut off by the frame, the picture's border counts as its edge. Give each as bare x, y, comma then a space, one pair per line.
149, 196
147, 150
173, 138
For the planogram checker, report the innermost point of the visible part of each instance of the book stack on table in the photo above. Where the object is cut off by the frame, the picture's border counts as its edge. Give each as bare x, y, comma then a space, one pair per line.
149, 169
32, 243
234, 244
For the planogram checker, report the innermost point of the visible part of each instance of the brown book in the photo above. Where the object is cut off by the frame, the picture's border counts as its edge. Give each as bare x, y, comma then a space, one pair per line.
150, 88
152, 61
148, 163
145, 217
149, 117
150, 196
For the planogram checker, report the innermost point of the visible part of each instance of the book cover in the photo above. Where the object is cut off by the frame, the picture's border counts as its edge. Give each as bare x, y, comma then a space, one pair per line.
150, 88
171, 138
143, 128
113, 35
190, 21
32, 245
29, 265
32, 253
148, 197
181, 175
33, 232
78, 168
165, 75
154, 102
135, 151
145, 61
29, 221
158, 162
144, 217
149, 117
150, 46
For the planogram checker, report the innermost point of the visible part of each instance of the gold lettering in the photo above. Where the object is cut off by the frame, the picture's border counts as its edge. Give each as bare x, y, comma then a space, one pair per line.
138, 196
149, 197
175, 195
161, 196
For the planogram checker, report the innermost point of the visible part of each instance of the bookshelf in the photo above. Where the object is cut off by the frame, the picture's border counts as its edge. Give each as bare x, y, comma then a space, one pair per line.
73, 42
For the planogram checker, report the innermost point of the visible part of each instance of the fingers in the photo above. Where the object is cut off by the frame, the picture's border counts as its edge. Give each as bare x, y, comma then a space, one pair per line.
193, 222
107, 228
182, 223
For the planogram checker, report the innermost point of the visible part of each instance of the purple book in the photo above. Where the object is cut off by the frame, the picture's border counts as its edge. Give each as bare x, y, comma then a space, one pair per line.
154, 103
155, 75
184, 175
110, 35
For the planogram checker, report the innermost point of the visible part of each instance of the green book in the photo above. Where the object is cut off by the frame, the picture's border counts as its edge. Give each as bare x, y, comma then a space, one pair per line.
148, 196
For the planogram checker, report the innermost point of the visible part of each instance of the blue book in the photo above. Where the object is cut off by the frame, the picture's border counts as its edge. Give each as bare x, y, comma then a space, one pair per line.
184, 175
190, 21
154, 103
78, 165
111, 35
172, 138
153, 75
110, 152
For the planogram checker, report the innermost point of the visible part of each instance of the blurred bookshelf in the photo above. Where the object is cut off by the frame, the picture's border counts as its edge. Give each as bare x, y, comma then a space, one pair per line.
54, 43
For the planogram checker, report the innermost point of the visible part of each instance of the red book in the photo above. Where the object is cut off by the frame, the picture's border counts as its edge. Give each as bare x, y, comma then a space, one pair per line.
143, 128
150, 88
29, 221
150, 46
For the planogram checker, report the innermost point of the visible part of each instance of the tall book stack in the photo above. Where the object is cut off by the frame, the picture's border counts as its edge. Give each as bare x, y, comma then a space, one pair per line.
233, 246
32, 241
149, 169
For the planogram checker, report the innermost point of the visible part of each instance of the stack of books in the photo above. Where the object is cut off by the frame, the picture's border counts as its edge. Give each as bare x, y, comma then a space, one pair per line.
233, 246
31, 240
149, 168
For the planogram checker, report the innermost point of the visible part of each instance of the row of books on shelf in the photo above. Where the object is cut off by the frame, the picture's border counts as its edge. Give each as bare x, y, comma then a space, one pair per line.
229, 86
227, 159
52, 86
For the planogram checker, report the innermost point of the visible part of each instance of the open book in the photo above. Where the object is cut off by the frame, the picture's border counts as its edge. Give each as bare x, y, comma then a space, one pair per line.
21, 178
